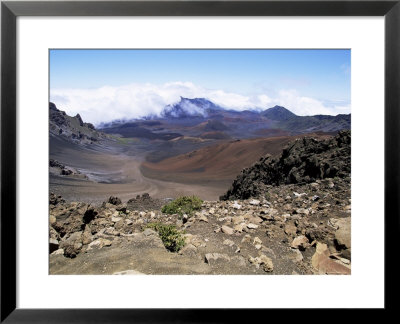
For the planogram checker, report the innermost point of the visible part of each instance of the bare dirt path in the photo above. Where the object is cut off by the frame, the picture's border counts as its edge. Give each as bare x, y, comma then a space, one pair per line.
118, 174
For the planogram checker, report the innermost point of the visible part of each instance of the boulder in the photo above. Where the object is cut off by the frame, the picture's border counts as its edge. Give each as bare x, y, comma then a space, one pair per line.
202, 218
237, 220
254, 202
53, 245
263, 261
290, 230
188, 250
302, 211
99, 243
89, 214
300, 242
58, 252
114, 200
215, 258
87, 236
252, 226
343, 234
322, 262
72, 217
266, 262
72, 246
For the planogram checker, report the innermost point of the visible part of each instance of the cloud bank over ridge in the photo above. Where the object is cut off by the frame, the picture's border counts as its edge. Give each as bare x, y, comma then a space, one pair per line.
138, 100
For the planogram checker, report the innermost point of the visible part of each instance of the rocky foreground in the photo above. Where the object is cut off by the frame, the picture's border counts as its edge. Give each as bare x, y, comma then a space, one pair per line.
288, 215
295, 230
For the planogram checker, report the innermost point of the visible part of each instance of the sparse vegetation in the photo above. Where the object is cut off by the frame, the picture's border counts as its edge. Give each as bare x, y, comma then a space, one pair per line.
170, 236
183, 205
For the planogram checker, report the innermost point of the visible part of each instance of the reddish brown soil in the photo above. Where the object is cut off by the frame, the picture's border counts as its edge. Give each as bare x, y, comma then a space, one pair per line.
221, 162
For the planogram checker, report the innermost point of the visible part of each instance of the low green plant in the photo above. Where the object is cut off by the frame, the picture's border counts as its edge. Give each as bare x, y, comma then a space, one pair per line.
183, 205
172, 239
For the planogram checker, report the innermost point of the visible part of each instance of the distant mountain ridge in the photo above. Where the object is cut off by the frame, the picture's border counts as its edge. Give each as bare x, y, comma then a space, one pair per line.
201, 118
278, 113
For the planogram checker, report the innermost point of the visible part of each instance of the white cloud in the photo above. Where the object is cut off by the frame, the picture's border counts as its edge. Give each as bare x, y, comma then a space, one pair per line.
137, 100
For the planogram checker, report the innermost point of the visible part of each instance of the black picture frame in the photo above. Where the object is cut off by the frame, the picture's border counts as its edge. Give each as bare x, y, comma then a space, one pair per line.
10, 10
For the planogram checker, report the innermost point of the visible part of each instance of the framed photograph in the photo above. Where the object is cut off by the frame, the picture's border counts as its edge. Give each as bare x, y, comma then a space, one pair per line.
164, 158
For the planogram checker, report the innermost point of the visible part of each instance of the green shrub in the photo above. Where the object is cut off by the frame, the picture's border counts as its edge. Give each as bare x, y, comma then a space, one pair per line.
183, 205
170, 236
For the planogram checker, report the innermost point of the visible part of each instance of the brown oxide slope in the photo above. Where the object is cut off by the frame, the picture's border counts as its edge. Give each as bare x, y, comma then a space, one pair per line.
221, 162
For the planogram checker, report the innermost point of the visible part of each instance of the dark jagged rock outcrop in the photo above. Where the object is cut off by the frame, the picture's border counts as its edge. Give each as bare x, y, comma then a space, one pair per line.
57, 116
302, 161
72, 128
79, 118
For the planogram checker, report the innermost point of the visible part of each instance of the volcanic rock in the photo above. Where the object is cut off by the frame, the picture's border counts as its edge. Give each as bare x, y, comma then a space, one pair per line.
302, 161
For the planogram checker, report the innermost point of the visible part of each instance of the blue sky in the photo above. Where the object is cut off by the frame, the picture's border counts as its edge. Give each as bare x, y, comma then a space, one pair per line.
302, 78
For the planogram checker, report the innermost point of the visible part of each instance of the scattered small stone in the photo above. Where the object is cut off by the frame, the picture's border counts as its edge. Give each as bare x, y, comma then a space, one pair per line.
246, 239
115, 219
58, 252
214, 258
99, 243
254, 202
240, 227
252, 226
302, 211
228, 242
227, 230
235, 205
203, 218
268, 266
52, 219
